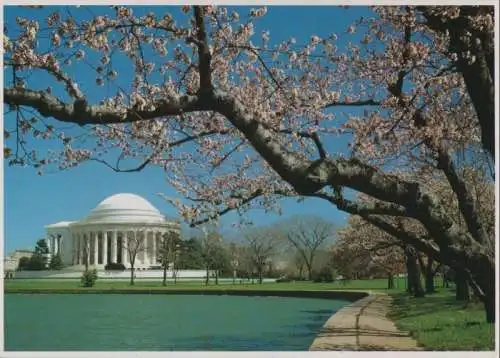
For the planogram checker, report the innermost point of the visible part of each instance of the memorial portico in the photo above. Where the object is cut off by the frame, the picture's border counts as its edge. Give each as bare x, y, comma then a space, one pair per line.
121, 225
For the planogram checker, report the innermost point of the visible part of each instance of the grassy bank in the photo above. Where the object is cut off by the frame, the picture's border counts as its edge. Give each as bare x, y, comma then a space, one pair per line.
439, 322
40, 284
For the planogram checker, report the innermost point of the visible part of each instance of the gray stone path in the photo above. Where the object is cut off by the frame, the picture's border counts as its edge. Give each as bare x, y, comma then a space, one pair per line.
363, 325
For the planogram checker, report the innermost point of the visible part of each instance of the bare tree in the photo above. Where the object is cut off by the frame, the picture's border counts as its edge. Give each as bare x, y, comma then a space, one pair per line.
210, 252
262, 244
135, 244
307, 235
169, 245
299, 263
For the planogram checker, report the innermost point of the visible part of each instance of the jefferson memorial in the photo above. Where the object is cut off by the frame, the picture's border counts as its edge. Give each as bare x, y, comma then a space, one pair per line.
118, 221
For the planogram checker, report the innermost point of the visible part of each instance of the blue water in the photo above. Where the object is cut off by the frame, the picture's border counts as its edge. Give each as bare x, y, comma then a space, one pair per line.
138, 322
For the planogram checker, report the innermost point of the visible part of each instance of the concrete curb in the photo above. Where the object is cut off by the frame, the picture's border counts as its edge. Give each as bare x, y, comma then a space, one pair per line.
364, 326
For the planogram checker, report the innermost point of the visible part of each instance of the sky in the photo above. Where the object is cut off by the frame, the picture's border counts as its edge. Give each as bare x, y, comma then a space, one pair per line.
32, 201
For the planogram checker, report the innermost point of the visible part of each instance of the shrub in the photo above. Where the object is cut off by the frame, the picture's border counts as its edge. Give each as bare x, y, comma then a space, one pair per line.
89, 278
283, 279
323, 275
24, 263
114, 266
56, 263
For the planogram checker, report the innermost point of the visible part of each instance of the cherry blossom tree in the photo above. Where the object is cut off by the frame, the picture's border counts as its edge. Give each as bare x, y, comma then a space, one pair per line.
371, 248
236, 120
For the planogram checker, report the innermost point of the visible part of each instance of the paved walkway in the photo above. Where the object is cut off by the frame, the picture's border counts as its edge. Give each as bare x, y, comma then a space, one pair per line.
363, 325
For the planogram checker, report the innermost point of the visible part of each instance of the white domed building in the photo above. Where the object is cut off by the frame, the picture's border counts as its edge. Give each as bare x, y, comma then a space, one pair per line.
118, 221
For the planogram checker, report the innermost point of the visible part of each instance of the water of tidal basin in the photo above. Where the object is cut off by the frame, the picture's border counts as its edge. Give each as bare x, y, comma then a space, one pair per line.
140, 322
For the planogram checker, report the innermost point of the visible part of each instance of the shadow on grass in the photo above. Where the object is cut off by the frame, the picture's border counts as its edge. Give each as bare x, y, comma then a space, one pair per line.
440, 322
406, 306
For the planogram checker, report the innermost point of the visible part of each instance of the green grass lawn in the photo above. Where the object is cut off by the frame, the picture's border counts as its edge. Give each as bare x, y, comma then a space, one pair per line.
439, 322
375, 284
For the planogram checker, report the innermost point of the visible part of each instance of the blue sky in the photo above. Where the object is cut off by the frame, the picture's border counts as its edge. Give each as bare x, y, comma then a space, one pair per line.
32, 201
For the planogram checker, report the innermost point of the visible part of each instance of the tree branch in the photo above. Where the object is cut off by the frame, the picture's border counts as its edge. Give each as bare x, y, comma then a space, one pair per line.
466, 201
357, 208
148, 160
82, 113
478, 74
369, 102
406, 237
314, 136
227, 209
71, 86
204, 55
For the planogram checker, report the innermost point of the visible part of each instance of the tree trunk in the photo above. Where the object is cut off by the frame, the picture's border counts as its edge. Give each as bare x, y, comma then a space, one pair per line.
429, 276
164, 282
216, 277
462, 292
390, 282
206, 278
132, 274
301, 270
483, 274
429, 282
490, 309
414, 273
260, 276
309, 272
447, 277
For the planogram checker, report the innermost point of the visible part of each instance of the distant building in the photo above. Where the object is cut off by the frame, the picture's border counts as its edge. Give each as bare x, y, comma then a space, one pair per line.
11, 261
116, 222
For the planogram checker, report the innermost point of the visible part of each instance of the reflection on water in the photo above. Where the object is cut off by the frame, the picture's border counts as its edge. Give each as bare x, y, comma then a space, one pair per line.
162, 322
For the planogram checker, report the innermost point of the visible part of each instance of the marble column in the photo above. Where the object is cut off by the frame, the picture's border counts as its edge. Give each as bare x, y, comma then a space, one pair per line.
114, 243
76, 246
153, 254
52, 245
145, 243
85, 248
78, 250
125, 259
96, 248
105, 247
73, 250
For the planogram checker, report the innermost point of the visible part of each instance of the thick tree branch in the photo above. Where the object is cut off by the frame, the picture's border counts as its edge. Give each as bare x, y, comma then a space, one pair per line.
204, 55
466, 201
83, 113
357, 208
478, 73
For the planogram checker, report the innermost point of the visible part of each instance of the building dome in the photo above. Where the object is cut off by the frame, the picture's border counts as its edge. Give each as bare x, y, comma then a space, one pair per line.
124, 208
